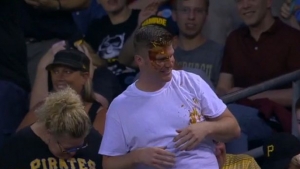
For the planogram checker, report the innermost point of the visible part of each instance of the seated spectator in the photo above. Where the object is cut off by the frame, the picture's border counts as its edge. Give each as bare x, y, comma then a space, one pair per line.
223, 18
67, 67
230, 161
264, 49
194, 50
279, 150
14, 81
256, 43
289, 14
62, 137
120, 23
46, 22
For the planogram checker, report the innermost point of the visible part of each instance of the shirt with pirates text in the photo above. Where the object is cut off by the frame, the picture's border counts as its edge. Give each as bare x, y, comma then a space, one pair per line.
25, 150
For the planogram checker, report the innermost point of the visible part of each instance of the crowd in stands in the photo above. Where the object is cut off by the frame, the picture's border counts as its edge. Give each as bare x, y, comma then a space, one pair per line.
63, 62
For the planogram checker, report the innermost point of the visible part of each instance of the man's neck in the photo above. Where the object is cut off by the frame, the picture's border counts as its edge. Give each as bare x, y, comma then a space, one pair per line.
188, 44
120, 16
265, 24
147, 84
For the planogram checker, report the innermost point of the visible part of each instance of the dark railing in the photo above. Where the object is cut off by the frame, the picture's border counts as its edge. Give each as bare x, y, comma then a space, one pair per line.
269, 85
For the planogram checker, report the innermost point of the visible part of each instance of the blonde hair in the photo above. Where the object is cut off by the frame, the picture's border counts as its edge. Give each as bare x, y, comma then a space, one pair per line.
63, 114
87, 92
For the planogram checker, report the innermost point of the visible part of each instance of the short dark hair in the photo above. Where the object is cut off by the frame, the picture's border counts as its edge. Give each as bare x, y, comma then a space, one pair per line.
151, 36
175, 3
297, 105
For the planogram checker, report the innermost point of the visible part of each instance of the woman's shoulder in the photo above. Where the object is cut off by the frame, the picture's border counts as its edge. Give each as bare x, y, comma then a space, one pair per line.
94, 139
17, 141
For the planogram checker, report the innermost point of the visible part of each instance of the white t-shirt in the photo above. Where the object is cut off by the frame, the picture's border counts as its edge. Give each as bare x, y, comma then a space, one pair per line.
138, 119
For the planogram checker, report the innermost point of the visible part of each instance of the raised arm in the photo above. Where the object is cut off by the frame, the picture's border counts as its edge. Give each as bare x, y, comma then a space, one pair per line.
40, 86
288, 15
126, 55
71, 5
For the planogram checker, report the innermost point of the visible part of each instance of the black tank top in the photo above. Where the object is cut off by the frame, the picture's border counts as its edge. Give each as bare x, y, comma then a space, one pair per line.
94, 110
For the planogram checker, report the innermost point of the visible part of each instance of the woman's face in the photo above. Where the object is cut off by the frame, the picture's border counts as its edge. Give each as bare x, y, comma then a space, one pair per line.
65, 147
63, 76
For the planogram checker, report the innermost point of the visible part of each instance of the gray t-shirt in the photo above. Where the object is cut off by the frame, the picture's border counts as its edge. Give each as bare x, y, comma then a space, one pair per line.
207, 57
201, 74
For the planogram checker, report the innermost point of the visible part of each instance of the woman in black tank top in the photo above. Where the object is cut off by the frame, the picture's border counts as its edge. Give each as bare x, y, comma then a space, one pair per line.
67, 67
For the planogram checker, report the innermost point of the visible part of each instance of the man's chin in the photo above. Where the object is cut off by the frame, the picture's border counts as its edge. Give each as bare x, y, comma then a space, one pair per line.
190, 35
167, 78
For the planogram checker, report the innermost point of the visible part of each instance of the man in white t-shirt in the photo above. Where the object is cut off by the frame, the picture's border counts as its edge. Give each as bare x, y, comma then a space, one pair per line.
167, 118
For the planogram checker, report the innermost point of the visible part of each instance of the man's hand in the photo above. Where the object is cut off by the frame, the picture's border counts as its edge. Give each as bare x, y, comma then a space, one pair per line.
50, 4
288, 9
82, 48
155, 157
94, 57
150, 10
189, 137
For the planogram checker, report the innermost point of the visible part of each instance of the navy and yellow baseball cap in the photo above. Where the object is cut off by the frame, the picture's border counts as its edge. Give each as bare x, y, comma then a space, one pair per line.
279, 149
72, 58
166, 23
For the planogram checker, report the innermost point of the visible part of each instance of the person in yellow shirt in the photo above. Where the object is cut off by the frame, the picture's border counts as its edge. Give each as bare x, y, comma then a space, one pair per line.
231, 161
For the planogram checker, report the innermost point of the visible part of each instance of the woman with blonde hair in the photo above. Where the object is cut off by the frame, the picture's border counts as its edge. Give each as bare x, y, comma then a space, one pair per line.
67, 67
62, 137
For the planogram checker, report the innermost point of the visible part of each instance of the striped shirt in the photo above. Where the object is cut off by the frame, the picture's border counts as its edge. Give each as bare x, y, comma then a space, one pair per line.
240, 161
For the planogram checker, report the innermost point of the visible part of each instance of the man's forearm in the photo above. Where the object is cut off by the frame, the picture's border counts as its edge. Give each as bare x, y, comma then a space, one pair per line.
223, 130
283, 97
69, 5
74, 4
127, 161
126, 56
